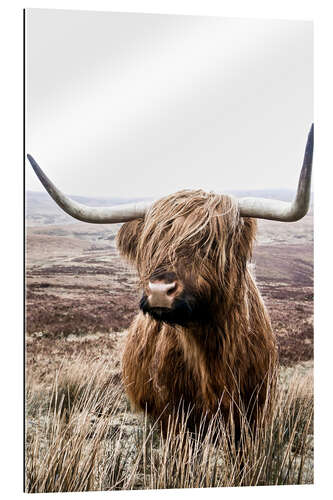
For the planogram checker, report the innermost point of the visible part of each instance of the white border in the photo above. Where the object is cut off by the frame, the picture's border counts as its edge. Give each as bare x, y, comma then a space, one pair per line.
12, 241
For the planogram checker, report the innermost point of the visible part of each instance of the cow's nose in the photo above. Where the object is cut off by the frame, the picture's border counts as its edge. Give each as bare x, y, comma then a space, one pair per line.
161, 294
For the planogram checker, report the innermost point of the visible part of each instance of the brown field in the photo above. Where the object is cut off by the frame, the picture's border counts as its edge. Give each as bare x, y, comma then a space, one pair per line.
80, 298
76, 284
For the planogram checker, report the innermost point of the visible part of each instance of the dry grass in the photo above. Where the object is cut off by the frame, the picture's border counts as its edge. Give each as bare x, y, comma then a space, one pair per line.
81, 435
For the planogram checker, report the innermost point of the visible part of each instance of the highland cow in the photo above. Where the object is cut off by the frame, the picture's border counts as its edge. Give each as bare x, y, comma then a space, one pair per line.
202, 339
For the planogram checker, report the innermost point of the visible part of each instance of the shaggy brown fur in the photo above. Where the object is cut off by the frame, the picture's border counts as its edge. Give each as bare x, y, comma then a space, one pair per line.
208, 364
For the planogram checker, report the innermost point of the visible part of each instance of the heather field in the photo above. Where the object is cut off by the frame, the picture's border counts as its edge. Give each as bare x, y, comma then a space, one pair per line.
80, 431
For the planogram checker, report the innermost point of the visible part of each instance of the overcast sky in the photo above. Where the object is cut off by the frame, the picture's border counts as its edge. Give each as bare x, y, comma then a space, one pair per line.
144, 105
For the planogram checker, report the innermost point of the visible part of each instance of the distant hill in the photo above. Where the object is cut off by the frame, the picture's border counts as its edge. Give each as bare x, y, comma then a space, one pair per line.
42, 210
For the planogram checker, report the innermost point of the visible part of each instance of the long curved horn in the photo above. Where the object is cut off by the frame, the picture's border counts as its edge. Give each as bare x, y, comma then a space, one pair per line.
262, 208
98, 215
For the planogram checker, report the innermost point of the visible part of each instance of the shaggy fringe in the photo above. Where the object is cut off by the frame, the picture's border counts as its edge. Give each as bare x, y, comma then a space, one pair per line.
186, 229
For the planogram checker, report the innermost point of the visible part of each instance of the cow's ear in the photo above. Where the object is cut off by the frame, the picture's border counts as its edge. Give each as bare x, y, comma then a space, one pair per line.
128, 237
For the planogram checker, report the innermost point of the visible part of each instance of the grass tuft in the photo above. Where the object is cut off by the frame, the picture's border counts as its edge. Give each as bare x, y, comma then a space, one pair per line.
81, 436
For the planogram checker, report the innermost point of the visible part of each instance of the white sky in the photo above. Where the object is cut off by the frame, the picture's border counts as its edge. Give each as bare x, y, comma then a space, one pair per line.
144, 105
